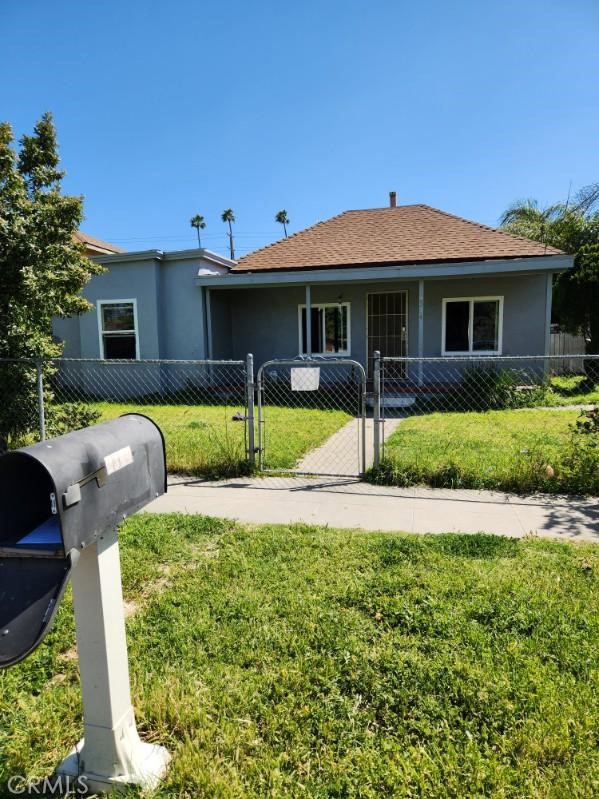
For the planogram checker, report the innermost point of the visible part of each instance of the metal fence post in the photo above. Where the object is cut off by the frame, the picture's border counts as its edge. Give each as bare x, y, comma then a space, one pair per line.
249, 376
376, 414
40, 400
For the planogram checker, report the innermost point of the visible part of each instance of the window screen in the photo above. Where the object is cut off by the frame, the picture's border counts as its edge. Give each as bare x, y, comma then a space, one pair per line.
485, 325
329, 327
472, 326
457, 321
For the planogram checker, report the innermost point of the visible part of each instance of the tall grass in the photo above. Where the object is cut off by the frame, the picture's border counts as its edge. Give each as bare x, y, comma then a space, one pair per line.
515, 450
203, 440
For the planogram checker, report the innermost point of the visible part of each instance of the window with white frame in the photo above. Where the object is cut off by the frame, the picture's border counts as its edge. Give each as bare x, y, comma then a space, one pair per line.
472, 326
329, 326
117, 321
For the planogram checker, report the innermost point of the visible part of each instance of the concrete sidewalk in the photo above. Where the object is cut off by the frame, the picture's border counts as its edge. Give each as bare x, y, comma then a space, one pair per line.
340, 454
349, 503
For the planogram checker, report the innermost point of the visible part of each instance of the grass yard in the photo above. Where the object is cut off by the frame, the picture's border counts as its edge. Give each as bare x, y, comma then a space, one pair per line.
203, 440
571, 390
505, 450
309, 662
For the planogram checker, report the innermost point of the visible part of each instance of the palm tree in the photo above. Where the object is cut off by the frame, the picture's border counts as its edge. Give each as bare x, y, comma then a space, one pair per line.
566, 225
198, 223
527, 218
229, 216
282, 219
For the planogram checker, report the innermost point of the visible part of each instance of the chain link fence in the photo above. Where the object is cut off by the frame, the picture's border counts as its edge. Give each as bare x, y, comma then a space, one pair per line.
199, 405
314, 416
22, 418
510, 423
311, 416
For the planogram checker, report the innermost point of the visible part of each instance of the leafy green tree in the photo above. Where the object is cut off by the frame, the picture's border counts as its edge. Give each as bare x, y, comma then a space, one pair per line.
198, 223
229, 217
43, 268
282, 219
572, 226
577, 301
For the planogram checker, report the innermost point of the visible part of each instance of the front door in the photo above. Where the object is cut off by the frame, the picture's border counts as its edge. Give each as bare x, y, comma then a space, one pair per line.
387, 326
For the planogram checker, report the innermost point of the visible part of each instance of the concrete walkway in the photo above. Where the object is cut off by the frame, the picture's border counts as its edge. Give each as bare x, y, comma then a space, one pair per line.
350, 503
340, 454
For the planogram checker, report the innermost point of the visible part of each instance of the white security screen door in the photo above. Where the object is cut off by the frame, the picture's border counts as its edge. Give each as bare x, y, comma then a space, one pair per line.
387, 325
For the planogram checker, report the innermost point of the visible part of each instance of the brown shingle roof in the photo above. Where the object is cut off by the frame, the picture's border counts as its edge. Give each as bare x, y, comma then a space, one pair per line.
96, 246
405, 234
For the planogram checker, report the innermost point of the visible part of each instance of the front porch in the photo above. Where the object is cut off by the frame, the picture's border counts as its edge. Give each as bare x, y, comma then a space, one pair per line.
431, 317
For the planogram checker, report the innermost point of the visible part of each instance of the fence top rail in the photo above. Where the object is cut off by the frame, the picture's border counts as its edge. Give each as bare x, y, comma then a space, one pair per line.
487, 358
160, 361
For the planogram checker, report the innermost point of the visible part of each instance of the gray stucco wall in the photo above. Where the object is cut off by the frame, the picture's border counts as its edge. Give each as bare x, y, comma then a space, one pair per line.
265, 321
182, 312
523, 310
170, 309
67, 330
139, 281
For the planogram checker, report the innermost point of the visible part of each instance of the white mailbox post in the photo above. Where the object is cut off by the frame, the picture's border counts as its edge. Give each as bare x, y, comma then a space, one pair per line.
111, 752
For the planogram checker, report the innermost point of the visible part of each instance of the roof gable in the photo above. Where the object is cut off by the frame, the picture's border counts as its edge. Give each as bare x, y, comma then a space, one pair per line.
403, 234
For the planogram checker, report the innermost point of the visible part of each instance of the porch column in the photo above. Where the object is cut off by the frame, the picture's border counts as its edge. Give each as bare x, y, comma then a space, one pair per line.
420, 328
548, 301
203, 326
308, 321
208, 325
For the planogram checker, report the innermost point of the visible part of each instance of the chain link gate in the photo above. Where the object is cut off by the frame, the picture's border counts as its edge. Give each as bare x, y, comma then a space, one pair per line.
312, 417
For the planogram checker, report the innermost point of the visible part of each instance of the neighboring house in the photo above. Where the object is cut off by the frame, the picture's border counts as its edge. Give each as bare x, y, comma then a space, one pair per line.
94, 246
405, 280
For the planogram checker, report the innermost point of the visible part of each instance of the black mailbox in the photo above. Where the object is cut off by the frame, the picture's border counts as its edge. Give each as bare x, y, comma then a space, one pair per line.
56, 498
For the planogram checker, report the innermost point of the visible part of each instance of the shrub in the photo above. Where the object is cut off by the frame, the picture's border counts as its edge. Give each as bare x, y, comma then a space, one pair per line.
69, 416
486, 388
580, 466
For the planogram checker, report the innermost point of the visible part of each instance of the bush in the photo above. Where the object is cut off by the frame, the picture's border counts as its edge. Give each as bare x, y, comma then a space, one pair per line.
19, 406
69, 416
485, 388
580, 467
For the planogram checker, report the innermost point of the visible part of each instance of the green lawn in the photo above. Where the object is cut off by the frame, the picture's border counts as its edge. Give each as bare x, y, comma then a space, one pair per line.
203, 440
506, 450
571, 390
308, 662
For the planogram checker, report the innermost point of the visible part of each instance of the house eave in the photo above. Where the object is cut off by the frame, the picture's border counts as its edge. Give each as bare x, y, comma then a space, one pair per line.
545, 263
196, 254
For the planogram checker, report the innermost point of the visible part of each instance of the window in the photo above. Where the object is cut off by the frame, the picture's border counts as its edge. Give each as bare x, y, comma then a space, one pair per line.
472, 326
118, 329
329, 325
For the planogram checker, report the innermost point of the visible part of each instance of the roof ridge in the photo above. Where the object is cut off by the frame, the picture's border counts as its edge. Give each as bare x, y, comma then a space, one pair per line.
489, 227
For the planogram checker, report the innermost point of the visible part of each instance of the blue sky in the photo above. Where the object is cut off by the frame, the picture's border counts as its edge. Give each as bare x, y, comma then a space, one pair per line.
167, 109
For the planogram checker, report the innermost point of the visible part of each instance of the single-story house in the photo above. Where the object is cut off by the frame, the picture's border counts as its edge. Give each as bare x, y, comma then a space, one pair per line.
406, 280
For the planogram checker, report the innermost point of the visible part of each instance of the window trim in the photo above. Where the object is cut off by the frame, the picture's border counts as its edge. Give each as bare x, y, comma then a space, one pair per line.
342, 353
102, 332
471, 301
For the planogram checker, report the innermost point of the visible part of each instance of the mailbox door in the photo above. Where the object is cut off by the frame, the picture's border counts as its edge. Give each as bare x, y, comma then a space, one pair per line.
30, 592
